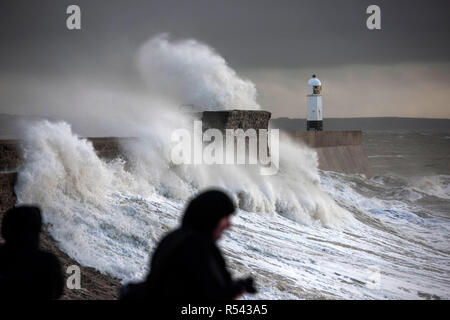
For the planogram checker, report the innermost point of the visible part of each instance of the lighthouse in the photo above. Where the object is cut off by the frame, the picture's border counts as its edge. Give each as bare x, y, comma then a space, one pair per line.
314, 101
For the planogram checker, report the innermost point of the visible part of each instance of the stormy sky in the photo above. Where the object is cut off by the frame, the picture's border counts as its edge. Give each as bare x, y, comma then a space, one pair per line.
400, 70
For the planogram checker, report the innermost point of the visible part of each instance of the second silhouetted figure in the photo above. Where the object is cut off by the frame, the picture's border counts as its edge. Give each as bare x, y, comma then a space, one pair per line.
26, 272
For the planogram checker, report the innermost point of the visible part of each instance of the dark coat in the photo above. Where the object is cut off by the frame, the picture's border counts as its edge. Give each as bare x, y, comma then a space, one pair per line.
29, 273
188, 265
25, 270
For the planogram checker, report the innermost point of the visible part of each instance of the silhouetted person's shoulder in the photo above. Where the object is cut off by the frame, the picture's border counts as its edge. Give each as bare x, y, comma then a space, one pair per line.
32, 274
188, 265
25, 270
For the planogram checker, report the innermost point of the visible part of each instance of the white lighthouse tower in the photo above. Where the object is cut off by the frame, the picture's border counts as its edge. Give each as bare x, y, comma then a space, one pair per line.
314, 100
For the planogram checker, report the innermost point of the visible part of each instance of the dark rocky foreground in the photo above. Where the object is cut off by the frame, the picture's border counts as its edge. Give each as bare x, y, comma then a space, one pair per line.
94, 285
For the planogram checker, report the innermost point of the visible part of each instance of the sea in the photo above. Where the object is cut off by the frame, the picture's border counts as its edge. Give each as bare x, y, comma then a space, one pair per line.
303, 233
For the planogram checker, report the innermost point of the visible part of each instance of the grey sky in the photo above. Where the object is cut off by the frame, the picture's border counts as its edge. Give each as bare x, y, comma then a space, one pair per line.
276, 44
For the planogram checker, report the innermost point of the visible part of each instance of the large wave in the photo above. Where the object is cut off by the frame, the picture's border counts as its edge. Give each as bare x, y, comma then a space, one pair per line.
83, 196
192, 73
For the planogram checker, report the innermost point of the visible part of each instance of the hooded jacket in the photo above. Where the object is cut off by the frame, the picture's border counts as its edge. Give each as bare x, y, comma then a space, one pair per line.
187, 264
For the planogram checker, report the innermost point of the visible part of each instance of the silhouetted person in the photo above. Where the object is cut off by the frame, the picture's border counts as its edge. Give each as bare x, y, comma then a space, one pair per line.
187, 264
25, 270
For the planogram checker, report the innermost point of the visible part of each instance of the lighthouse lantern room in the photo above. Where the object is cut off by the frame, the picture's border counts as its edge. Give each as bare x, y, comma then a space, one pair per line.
314, 120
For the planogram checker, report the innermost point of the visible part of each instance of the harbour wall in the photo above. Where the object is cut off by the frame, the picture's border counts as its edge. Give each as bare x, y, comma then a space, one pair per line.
339, 151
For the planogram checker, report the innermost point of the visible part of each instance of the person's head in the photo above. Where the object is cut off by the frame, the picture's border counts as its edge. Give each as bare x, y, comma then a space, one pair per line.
209, 213
21, 226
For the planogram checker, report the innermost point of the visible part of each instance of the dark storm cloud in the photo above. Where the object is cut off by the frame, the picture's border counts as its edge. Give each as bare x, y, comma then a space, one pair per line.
249, 34
47, 70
